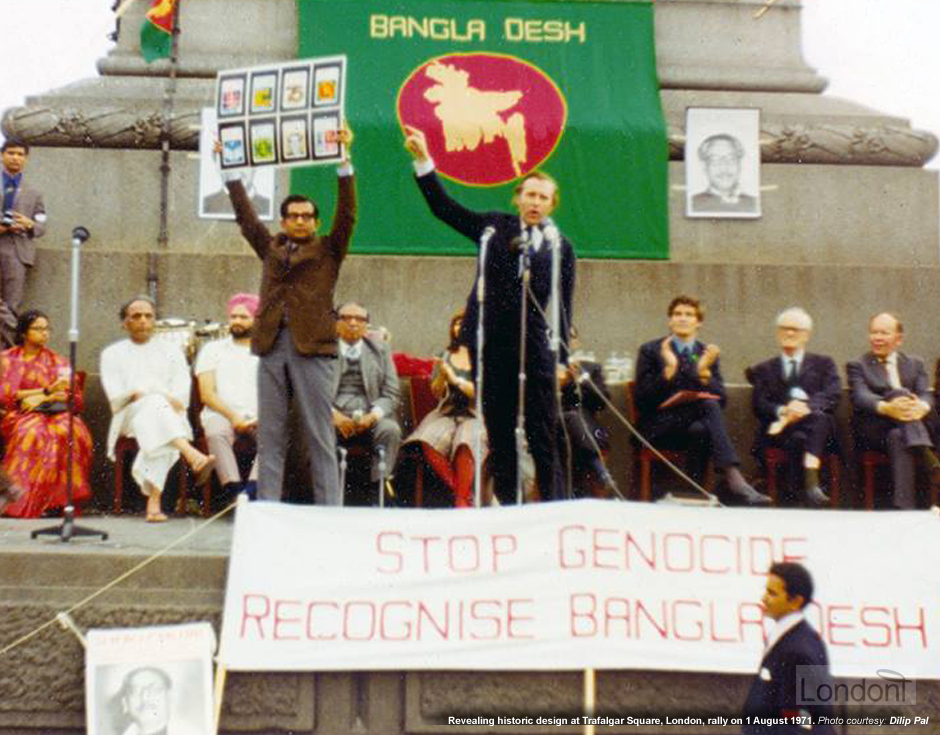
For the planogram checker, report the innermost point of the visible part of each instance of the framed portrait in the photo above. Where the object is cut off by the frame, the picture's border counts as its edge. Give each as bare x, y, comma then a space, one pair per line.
263, 92
295, 88
156, 679
327, 85
231, 96
722, 162
232, 137
263, 135
295, 139
214, 202
324, 126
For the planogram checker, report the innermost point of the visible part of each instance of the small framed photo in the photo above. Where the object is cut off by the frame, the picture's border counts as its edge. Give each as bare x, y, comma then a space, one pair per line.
295, 139
231, 96
295, 88
263, 142
722, 162
324, 127
327, 85
232, 137
263, 92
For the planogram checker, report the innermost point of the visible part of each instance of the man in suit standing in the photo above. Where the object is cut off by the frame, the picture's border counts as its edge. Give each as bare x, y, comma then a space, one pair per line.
366, 391
679, 395
511, 240
22, 220
779, 690
295, 327
892, 405
795, 397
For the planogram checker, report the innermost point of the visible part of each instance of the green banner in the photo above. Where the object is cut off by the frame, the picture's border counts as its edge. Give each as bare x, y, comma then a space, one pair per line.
499, 88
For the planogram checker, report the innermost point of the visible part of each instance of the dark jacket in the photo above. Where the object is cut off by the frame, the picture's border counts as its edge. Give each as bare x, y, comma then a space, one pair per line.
297, 284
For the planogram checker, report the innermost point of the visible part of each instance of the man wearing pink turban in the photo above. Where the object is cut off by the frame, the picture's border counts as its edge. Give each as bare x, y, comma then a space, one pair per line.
227, 373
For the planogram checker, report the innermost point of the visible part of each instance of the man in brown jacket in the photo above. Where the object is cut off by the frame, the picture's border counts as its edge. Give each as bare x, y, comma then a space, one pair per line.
295, 327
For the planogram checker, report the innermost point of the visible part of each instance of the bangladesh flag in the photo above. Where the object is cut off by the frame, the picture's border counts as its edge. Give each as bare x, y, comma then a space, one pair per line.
156, 33
499, 89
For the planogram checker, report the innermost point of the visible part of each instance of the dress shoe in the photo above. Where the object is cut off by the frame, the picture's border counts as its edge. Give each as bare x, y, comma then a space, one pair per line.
814, 497
744, 494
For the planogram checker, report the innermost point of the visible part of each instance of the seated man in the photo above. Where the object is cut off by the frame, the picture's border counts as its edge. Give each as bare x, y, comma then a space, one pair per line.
584, 395
227, 373
147, 384
795, 397
679, 394
366, 391
892, 405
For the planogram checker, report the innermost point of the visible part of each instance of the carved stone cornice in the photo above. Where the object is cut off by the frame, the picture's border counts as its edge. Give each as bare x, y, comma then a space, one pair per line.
834, 143
101, 127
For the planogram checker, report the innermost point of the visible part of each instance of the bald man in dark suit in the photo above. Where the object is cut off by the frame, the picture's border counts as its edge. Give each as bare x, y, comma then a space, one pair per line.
892, 407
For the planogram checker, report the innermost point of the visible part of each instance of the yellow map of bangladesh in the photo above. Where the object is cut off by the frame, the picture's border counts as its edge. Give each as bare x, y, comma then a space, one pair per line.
471, 116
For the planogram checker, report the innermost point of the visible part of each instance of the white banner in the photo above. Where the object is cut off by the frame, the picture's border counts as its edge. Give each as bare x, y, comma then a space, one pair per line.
572, 585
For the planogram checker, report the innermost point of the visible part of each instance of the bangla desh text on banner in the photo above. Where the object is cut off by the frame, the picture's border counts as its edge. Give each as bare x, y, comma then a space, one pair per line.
571, 585
499, 88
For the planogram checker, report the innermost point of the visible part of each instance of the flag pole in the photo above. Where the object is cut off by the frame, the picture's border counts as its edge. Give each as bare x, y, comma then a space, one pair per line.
163, 238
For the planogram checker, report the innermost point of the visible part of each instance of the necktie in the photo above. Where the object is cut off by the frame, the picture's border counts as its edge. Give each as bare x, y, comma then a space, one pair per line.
791, 372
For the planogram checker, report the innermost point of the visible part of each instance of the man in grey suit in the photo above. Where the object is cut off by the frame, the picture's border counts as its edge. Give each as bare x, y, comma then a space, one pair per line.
22, 220
892, 404
366, 390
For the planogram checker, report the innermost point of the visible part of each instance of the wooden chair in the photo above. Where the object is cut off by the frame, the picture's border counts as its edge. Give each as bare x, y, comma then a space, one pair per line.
775, 458
645, 457
871, 460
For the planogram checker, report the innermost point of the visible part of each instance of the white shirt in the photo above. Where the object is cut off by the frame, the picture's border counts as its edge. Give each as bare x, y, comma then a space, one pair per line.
351, 351
891, 365
236, 375
783, 626
156, 366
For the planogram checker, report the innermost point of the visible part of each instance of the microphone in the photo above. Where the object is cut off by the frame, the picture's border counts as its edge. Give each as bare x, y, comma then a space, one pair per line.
517, 244
80, 234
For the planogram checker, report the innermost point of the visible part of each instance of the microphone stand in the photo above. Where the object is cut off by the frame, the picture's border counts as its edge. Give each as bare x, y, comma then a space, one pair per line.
524, 255
478, 395
68, 529
553, 239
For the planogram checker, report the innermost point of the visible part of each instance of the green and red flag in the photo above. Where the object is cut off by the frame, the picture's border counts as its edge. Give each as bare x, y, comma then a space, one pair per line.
156, 33
499, 88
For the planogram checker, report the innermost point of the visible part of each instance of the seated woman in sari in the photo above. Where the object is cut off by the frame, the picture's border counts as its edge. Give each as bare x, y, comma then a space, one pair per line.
34, 395
445, 440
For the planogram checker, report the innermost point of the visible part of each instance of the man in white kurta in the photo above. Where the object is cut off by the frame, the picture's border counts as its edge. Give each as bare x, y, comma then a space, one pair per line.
227, 373
147, 383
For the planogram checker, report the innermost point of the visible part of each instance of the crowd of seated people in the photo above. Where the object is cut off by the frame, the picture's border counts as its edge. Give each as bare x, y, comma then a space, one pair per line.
678, 394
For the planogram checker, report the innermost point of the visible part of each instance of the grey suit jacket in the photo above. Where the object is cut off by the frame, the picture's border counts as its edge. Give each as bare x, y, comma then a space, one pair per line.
378, 374
868, 380
28, 201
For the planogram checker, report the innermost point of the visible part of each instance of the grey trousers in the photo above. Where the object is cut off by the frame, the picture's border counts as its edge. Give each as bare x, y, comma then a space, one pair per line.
283, 373
12, 284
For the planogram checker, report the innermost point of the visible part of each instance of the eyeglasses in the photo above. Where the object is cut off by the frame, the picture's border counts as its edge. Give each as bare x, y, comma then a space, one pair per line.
302, 216
353, 318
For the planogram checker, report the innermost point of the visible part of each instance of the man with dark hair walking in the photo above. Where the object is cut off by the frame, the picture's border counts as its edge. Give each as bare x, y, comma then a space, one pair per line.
295, 327
794, 667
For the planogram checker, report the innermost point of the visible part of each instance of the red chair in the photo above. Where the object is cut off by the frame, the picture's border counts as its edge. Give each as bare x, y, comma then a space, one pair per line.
423, 401
645, 457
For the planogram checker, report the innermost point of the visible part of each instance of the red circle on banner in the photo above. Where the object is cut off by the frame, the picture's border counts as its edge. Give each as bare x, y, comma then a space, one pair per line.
488, 118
